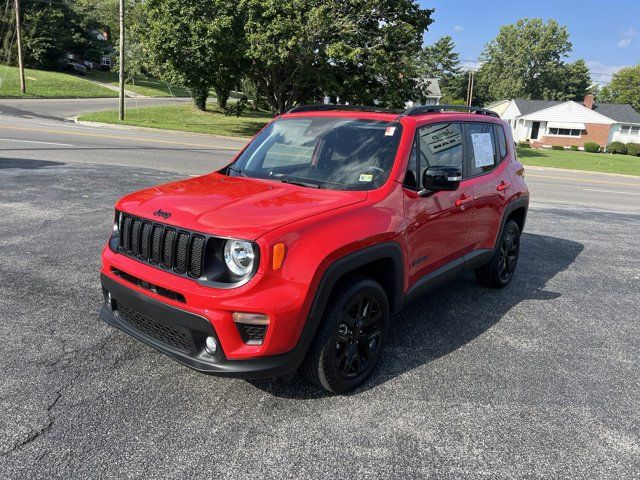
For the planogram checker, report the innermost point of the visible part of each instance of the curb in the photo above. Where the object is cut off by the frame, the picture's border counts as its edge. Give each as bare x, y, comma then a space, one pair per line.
569, 170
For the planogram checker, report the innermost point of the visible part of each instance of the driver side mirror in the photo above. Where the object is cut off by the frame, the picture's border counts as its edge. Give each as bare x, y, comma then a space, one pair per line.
436, 179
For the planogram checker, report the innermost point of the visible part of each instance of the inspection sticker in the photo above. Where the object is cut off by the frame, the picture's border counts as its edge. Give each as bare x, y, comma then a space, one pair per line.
366, 177
389, 131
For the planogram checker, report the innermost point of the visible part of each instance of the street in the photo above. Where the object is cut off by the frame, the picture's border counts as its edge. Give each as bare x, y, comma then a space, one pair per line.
539, 379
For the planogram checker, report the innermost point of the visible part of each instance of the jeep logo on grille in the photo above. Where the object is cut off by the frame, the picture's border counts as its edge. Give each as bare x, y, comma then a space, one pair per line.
162, 213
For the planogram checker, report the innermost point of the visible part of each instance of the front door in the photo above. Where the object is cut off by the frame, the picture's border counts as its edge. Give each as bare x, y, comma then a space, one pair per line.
438, 225
535, 129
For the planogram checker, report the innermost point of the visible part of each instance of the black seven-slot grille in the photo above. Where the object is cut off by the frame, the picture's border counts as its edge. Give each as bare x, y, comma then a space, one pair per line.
174, 249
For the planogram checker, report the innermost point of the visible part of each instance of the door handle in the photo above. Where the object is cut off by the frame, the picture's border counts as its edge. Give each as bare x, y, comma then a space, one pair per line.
463, 200
503, 186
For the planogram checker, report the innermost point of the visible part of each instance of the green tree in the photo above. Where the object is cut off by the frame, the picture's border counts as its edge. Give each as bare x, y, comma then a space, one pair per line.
50, 31
360, 51
198, 44
624, 88
526, 60
441, 61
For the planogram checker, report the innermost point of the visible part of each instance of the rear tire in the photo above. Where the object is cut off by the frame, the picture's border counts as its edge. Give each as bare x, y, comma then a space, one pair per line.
351, 336
498, 272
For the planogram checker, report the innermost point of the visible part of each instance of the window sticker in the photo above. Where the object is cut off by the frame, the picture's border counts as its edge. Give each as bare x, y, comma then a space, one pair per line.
442, 139
389, 131
482, 149
366, 177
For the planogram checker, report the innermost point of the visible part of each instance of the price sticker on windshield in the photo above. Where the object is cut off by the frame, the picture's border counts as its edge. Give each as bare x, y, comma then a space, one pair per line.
389, 131
366, 177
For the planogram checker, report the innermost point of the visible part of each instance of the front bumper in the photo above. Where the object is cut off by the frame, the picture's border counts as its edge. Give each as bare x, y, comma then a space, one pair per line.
181, 335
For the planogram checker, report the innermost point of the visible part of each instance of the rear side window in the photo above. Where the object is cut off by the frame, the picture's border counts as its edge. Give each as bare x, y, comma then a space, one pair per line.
481, 154
440, 144
502, 141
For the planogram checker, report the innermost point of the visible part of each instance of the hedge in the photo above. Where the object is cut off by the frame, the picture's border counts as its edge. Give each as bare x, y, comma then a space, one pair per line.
633, 149
617, 147
591, 147
575, 148
557, 147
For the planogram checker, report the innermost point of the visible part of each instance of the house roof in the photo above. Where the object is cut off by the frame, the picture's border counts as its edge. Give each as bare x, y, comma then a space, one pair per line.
621, 113
434, 87
529, 106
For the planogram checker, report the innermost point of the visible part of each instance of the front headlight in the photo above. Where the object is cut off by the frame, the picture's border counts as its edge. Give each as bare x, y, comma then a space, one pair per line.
239, 257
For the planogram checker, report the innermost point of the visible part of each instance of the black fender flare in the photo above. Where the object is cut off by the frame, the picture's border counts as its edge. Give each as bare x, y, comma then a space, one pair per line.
520, 202
341, 267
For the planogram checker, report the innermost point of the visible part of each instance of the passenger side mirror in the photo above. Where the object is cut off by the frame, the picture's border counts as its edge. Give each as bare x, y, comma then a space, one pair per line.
440, 178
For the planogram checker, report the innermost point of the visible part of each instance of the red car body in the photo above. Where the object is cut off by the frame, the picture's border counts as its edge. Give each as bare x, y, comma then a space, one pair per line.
409, 243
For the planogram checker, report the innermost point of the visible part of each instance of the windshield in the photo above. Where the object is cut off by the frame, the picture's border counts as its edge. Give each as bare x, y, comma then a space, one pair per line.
322, 152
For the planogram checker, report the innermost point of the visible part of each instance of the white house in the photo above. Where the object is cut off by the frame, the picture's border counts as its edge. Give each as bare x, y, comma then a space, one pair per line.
547, 123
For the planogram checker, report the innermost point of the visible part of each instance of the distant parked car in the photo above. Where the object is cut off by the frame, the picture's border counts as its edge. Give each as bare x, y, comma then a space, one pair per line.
75, 67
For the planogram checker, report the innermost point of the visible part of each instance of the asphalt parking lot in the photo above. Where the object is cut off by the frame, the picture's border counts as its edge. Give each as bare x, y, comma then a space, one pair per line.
540, 379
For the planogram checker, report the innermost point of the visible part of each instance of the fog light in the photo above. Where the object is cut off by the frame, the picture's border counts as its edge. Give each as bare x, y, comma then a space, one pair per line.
211, 346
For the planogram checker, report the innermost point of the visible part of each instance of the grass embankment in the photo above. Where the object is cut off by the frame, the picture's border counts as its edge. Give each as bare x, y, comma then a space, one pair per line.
147, 86
186, 118
44, 84
591, 162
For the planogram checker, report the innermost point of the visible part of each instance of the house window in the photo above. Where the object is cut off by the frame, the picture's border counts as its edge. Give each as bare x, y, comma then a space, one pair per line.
565, 132
629, 129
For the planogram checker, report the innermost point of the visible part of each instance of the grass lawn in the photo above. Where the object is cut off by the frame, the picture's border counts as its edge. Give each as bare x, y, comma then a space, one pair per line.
147, 86
592, 162
41, 83
186, 118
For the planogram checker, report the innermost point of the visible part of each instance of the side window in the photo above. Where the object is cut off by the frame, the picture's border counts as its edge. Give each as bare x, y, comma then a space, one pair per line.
440, 145
482, 155
411, 177
502, 141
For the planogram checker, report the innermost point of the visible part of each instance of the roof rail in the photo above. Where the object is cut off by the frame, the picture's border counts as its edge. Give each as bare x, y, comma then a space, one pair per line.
420, 109
318, 107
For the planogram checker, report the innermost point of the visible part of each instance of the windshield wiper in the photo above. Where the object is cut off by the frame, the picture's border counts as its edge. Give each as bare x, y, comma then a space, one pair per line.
237, 170
299, 183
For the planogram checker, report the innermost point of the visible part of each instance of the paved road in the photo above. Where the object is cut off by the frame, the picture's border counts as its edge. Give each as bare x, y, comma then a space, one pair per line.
540, 379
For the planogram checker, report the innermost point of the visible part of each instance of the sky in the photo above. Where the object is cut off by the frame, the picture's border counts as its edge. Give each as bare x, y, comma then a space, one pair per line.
605, 33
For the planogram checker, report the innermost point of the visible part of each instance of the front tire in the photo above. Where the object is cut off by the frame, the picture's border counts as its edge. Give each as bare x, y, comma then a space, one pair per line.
500, 269
351, 337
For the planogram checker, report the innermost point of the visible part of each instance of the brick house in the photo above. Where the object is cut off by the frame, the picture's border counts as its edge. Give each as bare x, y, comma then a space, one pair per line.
547, 123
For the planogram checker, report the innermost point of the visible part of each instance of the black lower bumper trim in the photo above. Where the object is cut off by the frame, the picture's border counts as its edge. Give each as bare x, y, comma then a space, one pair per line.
158, 324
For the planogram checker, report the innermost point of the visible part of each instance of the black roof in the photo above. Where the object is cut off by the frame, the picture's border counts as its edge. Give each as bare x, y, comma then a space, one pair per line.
621, 113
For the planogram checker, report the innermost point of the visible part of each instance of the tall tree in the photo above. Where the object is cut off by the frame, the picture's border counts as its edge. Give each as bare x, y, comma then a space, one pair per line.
573, 81
440, 61
525, 60
359, 50
624, 87
198, 44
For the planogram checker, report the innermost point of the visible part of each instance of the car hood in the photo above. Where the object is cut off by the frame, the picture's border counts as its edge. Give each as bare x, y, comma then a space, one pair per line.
238, 207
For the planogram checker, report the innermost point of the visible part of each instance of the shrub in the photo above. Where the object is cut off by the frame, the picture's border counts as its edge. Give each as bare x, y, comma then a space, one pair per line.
617, 147
557, 147
591, 147
633, 149
575, 148
524, 144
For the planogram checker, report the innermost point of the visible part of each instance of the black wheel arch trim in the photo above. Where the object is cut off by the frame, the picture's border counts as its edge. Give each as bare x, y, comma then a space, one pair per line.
518, 203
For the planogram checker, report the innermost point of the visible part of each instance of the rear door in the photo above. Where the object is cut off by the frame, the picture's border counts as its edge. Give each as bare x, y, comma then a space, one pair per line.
439, 225
487, 166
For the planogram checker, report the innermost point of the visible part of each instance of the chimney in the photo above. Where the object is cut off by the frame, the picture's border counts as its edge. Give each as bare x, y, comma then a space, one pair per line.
588, 101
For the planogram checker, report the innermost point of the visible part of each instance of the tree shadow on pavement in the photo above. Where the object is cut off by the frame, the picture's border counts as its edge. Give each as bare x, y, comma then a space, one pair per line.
450, 317
25, 164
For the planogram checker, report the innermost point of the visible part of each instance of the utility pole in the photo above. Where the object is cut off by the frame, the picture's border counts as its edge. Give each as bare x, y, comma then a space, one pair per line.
121, 62
470, 88
23, 86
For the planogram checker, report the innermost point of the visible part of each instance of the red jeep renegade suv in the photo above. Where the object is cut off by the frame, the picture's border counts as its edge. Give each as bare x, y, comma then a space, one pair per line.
295, 256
